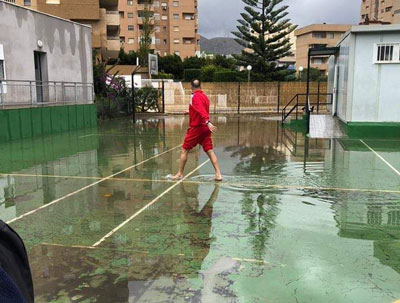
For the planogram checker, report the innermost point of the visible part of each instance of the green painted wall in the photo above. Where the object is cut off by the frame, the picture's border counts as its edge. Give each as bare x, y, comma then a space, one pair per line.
23, 123
381, 130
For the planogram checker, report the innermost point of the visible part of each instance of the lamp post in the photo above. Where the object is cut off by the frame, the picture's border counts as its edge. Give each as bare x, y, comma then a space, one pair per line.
249, 68
301, 70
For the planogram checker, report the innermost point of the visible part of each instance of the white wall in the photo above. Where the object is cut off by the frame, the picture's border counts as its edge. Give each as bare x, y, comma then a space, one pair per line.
376, 96
68, 45
367, 92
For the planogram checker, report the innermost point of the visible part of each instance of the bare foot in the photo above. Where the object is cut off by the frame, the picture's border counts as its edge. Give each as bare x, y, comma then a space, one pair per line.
177, 177
218, 178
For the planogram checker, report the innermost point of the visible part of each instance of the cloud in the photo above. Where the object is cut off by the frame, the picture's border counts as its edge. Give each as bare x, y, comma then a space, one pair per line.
218, 18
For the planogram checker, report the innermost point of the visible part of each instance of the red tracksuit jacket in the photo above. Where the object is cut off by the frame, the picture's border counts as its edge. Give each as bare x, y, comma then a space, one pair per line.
199, 109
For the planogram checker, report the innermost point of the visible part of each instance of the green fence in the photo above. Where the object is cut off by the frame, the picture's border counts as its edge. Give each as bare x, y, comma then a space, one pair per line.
22, 123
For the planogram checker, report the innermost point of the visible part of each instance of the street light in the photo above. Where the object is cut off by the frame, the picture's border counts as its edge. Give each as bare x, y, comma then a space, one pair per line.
301, 70
249, 68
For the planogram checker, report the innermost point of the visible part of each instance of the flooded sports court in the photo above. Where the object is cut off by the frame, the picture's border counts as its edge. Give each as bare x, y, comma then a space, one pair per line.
295, 219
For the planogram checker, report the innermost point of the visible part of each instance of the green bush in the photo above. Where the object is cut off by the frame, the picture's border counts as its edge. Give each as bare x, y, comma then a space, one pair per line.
207, 73
191, 74
146, 99
165, 76
227, 76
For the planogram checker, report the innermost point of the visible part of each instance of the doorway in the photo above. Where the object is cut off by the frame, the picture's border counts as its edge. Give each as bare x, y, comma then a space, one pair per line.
40, 76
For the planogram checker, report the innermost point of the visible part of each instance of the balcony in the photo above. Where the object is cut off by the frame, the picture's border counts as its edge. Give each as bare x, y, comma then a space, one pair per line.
112, 18
113, 43
108, 3
142, 7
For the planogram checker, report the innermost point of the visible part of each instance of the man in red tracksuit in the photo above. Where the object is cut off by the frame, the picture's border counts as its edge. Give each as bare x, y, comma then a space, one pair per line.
200, 130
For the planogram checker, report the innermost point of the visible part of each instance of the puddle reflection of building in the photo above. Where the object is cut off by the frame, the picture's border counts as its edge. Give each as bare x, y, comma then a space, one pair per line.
362, 215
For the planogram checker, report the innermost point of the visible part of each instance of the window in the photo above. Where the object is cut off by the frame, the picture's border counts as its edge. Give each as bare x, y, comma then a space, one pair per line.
131, 40
175, 3
47, 2
156, 29
27, 2
156, 16
158, 41
176, 28
331, 35
319, 35
176, 16
176, 41
164, 17
122, 40
131, 28
389, 8
165, 41
177, 53
387, 53
130, 15
130, 2
318, 61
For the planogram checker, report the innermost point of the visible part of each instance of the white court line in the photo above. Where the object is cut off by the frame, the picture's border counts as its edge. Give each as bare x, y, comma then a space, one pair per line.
148, 205
87, 136
88, 186
380, 157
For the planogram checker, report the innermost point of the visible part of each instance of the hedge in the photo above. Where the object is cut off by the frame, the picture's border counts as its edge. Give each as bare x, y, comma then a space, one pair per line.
229, 76
191, 74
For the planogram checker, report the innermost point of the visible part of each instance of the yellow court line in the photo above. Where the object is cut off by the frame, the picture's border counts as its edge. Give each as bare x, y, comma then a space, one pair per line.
88, 186
266, 186
148, 205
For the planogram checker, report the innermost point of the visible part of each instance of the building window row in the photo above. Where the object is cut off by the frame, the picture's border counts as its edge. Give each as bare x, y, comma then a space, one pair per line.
323, 35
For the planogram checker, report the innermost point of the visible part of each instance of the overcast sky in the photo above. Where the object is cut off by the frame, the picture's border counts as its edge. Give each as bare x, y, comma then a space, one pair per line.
218, 18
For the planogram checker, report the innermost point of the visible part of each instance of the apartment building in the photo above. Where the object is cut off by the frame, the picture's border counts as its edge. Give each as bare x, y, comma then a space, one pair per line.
317, 35
174, 25
380, 11
119, 23
101, 15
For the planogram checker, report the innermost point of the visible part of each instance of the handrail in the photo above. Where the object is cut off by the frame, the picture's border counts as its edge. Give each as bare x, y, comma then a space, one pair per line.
296, 106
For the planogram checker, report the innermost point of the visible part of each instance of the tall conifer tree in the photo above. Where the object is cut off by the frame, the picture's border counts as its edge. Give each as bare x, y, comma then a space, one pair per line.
264, 32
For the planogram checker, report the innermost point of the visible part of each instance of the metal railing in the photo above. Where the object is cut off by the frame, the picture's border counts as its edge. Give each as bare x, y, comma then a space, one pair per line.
296, 104
20, 93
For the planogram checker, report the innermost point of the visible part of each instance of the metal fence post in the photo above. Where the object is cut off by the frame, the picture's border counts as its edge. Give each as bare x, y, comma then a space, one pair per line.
319, 87
55, 91
76, 93
163, 96
279, 96
1, 93
30, 91
238, 97
63, 91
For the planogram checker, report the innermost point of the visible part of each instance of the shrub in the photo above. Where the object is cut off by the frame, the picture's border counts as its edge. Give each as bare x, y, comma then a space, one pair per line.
207, 73
227, 76
165, 76
191, 74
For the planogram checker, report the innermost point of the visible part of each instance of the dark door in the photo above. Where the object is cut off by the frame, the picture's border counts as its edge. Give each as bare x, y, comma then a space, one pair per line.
38, 77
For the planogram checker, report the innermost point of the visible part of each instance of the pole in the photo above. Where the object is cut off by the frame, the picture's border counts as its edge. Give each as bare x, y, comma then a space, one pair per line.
308, 94
133, 99
248, 79
279, 96
163, 96
319, 91
238, 98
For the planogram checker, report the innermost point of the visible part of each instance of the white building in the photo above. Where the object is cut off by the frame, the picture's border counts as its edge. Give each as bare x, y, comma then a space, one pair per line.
365, 79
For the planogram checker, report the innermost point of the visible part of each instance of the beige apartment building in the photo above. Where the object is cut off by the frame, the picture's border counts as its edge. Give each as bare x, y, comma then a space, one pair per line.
119, 23
317, 35
175, 26
382, 11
